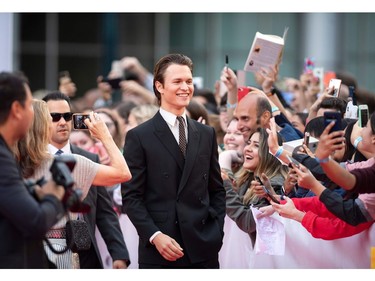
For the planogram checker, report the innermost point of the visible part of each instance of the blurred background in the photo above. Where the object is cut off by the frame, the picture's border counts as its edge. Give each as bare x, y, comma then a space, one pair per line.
85, 44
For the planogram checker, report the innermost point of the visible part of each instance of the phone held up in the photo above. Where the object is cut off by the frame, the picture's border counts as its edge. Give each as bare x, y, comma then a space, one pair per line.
306, 139
78, 121
294, 161
330, 116
115, 83
363, 115
270, 195
336, 84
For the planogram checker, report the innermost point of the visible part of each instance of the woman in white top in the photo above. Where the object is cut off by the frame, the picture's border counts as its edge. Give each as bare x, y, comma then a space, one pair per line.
35, 162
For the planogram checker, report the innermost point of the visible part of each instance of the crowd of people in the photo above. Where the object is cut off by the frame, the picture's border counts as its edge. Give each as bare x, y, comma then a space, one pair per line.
166, 169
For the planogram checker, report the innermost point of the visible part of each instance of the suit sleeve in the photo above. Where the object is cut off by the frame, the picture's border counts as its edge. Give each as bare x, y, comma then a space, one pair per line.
17, 205
134, 190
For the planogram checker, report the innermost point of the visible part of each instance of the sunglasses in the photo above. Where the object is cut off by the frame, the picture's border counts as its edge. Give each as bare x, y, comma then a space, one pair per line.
57, 116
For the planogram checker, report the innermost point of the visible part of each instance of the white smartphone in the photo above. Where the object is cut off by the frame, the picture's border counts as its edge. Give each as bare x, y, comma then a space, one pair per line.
319, 72
336, 84
363, 115
116, 70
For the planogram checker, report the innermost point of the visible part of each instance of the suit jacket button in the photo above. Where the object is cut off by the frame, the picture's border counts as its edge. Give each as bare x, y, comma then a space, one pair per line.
205, 176
176, 222
203, 221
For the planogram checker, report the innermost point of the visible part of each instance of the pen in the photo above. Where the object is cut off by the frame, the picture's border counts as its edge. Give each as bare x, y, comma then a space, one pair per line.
226, 62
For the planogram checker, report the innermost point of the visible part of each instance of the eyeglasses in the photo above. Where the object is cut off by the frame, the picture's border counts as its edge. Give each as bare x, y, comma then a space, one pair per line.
57, 116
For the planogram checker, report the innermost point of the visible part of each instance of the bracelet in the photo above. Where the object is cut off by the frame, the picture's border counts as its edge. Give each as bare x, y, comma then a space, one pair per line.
229, 105
279, 152
357, 141
275, 108
324, 160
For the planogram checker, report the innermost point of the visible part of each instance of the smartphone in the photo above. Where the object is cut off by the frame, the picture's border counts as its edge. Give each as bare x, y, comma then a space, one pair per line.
78, 121
352, 94
330, 116
116, 69
319, 73
363, 115
273, 198
294, 161
259, 180
336, 84
306, 139
115, 83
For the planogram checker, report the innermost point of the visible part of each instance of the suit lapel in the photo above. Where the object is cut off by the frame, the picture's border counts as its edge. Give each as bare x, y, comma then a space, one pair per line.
191, 153
166, 138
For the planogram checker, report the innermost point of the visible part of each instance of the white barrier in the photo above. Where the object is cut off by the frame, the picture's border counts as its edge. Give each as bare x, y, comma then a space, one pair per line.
302, 251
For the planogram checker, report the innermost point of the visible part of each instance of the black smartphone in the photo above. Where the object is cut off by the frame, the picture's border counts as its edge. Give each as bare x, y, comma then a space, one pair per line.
363, 115
273, 198
115, 83
352, 94
78, 121
330, 116
259, 180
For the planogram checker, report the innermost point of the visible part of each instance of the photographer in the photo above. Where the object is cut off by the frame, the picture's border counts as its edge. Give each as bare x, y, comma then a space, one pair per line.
23, 220
35, 162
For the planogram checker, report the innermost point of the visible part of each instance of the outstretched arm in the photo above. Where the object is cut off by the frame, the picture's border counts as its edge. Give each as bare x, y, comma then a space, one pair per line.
118, 171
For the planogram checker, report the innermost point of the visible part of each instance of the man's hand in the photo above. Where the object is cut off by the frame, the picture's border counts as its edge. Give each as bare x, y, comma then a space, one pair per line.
119, 264
168, 247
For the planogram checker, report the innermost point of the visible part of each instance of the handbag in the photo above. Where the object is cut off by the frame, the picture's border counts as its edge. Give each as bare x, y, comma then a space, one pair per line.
77, 235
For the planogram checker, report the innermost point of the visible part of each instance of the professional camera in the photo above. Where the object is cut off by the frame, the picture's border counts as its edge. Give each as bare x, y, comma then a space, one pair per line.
61, 169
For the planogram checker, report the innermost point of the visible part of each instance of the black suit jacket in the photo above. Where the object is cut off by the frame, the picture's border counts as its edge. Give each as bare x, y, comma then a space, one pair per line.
184, 199
23, 220
102, 215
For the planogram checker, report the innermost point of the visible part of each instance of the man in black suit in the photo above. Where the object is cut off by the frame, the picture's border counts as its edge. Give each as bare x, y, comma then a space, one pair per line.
101, 213
175, 199
24, 221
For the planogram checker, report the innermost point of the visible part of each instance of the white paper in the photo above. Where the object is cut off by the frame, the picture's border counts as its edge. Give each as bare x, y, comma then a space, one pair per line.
270, 237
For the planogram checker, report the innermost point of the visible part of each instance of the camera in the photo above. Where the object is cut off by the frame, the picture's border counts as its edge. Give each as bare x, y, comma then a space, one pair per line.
78, 121
61, 169
115, 83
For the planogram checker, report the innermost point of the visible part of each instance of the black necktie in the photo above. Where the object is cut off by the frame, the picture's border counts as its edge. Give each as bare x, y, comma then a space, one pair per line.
182, 136
59, 152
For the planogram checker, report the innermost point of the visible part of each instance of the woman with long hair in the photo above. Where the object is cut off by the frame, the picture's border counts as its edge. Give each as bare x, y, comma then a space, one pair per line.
258, 162
35, 162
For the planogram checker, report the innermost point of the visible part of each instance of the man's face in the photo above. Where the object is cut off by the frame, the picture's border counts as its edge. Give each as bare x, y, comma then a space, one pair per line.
60, 129
246, 114
178, 88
